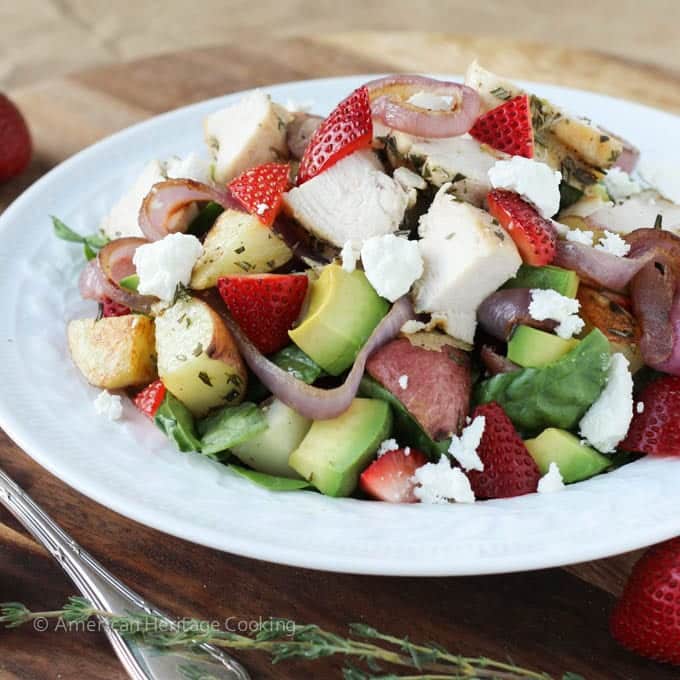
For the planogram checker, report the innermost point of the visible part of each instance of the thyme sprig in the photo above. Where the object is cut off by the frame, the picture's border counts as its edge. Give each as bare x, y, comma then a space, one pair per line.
283, 639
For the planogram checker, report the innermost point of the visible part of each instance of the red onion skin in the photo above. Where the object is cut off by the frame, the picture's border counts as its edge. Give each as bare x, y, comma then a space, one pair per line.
115, 258
395, 112
496, 363
314, 402
672, 363
300, 131
504, 310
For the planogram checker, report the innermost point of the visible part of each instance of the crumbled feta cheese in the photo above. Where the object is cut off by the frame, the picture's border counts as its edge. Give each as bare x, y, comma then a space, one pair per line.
403, 381
412, 327
433, 102
464, 448
440, 483
580, 236
407, 451
640, 407
612, 243
536, 182
299, 107
108, 405
164, 264
387, 446
551, 481
262, 208
607, 421
620, 184
663, 175
392, 264
549, 304
349, 255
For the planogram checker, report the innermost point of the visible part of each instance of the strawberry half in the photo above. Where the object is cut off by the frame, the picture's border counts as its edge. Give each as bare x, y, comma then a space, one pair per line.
265, 306
389, 478
509, 469
533, 235
349, 127
507, 128
260, 190
15, 140
657, 429
149, 400
111, 308
646, 619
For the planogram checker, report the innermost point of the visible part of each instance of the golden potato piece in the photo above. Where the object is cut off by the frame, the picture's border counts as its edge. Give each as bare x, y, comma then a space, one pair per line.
114, 352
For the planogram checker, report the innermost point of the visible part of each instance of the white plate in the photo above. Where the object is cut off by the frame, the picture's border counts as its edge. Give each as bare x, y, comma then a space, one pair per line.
46, 407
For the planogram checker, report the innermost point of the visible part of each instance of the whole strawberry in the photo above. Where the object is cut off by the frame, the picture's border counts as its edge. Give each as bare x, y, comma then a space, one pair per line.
646, 619
15, 140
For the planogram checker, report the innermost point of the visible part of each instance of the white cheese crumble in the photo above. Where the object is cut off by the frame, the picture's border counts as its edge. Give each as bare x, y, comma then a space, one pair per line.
387, 446
392, 265
440, 483
412, 327
164, 264
299, 107
464, 448
549, 304
580, 236
262, 208
612, 243
536, 182
640, 407
433, 102
607, 421
108, 405
620, 184
551, 481
403, 381
663, 175
349, 255
407, 451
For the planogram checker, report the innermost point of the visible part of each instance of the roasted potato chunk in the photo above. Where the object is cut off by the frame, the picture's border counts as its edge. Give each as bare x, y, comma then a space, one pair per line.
114, 352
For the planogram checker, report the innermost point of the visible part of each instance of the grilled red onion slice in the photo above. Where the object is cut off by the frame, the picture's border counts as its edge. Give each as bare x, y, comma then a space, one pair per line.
100, 277
504, 310
672, 363
496, 363
629, 156
163, 209
299, 131
389, 103
314, 402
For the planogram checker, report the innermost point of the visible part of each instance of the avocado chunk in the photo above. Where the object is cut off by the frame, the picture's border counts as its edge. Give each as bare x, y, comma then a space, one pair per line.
576, 461
343, 311
269, 450
564, 281
335, 451
530, 347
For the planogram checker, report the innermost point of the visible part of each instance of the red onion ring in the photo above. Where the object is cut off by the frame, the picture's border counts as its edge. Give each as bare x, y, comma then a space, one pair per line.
629, 156
389, 104
314, 402
504, 310
300, 131
672, 363
162, 210
496, 363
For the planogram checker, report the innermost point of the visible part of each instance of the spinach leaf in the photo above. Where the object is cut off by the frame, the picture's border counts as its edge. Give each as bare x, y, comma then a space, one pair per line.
569, 195
205, 218
91, 243
556, 395
406, 428
175, 419
230, 426
271, 482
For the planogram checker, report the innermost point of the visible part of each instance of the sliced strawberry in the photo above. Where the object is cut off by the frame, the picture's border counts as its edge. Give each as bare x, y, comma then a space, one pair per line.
389, 478
646, 619
148, 401
111, 308
15, 140
265, 306
657, 429
260, 190
349, 127
507, 128
533, 235
509, 469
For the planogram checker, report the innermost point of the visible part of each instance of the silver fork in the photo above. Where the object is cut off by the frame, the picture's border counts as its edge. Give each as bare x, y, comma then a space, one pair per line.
105, 592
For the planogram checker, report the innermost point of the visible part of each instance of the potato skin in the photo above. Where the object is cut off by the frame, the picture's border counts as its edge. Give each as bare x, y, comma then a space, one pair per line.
114, 352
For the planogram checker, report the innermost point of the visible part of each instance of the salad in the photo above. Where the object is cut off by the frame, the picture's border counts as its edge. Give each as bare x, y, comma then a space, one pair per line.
440, 292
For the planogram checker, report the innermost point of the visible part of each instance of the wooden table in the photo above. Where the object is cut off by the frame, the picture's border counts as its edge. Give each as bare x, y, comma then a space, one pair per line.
553, 620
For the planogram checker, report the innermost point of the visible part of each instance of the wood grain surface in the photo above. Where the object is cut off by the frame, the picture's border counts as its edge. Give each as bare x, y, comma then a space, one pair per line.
554, 620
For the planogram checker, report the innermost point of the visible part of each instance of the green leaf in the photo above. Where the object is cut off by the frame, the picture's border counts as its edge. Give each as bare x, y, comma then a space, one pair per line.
88, 252
569, 195
97, 240
175, 419
65, 233
406, 428
293, 360
572, 676
205, 218
230, 426
557, 395
271, 482
130, 282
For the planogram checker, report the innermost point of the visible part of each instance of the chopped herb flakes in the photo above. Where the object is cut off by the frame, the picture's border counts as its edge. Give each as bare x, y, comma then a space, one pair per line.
205, 378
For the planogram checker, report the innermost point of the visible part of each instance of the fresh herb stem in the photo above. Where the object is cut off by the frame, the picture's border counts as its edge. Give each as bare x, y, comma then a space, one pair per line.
283, 639
91, 244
